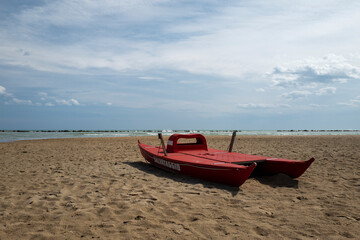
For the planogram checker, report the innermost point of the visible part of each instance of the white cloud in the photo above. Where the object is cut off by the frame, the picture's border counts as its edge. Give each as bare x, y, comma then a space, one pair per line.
255, 105
74, 102
12, 99
220, 39
318, 105
52, 101
21, 101
311, 72
355, 102
44, 97
152, 78
49, 104
294, 95
261, 106
2, 90
70, 102
326, 91
80, 12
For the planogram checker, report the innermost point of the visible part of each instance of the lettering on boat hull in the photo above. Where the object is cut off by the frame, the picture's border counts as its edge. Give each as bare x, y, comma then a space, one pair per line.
165, 163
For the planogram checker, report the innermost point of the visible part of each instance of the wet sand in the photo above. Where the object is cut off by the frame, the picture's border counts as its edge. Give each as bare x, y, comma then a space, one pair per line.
103, 189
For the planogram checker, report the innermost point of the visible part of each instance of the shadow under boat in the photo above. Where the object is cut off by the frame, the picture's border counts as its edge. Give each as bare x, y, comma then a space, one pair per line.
151, 169
277, 180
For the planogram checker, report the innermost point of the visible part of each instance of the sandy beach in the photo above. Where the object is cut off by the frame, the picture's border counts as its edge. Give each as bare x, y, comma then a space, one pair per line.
102, 188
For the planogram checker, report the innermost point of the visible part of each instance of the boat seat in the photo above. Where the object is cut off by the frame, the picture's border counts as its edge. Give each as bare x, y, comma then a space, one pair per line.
174, 146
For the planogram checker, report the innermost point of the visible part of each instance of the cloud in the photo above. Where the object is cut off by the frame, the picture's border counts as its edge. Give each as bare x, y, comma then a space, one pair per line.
70, 102
20, 101
23, 52
311, 72
314, 105
326, 91
126, 36
49, 104
260, 90
47, 100
2, 90
160, 79
43, 95
11, 99
355, 102
261, 106
53, 101
295, 95
80, 12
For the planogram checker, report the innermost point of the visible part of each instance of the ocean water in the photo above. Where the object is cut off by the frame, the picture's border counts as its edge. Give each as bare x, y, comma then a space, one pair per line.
10, 135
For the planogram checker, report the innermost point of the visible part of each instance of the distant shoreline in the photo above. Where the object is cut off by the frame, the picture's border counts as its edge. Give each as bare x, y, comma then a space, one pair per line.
16, 135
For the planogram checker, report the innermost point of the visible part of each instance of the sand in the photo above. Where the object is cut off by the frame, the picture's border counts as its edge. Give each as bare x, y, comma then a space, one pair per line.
103, 189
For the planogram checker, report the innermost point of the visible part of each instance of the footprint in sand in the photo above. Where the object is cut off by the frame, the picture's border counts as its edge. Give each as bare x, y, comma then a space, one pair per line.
261, 231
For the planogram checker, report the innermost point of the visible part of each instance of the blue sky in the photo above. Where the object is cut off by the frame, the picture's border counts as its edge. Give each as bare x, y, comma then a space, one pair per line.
164, 64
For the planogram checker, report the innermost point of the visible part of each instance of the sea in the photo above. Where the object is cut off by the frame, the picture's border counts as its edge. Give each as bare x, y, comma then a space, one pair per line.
16, 135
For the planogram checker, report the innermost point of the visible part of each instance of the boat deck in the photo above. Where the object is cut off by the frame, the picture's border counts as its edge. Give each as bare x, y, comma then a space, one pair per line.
210, 156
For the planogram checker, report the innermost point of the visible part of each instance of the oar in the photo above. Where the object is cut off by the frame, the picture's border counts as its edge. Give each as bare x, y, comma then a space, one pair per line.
162, 143
232, 140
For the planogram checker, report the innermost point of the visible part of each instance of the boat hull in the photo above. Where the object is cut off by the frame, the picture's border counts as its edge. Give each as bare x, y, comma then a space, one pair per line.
225, 173
291, 168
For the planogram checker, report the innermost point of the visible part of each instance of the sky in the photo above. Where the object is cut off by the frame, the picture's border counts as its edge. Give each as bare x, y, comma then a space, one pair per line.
166, 64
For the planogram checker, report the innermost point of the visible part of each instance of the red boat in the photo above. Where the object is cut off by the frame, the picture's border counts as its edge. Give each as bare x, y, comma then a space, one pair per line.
195, 159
